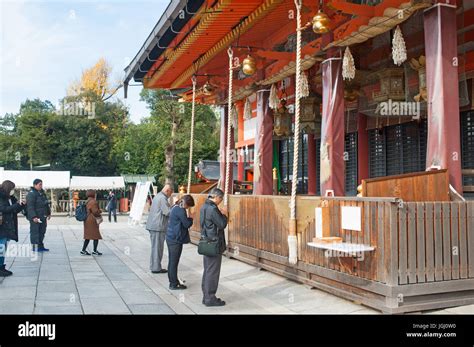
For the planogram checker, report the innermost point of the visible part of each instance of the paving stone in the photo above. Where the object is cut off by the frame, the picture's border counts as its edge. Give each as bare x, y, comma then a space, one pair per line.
151, 309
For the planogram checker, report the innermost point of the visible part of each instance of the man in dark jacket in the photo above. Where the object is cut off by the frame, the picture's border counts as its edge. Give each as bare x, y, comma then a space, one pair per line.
9, 208
177, 234
38, 212
112, 206
213, 223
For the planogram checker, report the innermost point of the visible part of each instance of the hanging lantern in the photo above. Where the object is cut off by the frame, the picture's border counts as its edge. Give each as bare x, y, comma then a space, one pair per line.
282, 120
399, 49
273, 101
419, 65
208, 89
247, 109
249, 66
321, 23
348, 66
304, 85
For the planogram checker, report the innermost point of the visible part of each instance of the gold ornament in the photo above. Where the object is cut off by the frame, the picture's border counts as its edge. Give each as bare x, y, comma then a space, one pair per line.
249, 66
321, 23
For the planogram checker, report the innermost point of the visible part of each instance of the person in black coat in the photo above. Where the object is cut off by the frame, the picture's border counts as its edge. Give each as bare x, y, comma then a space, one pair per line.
38, 213
177, 234
112, 206
213, 223
9, 208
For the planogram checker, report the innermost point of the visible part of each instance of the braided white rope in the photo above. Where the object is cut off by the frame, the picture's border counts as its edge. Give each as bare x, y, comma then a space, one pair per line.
292, 237
296, 141
193, 107
229, 129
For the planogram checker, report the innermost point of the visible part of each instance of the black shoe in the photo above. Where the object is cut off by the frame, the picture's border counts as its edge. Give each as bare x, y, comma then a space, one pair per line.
162, 271
85, 253
214, 303
5, 273
178, 286
43, 249
96, 253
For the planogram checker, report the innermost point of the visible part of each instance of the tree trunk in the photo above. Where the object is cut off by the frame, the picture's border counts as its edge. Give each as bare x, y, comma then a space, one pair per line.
170, 151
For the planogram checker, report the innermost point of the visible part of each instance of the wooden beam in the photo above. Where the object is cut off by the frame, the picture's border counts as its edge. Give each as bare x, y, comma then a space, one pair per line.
351, 8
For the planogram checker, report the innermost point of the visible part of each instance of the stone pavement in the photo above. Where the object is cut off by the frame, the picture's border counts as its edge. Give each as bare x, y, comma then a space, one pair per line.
119, 282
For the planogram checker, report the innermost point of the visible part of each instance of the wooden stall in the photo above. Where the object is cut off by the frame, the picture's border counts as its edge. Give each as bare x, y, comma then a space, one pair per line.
422, 257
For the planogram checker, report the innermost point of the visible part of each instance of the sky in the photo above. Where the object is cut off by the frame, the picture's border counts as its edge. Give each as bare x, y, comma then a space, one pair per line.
46, 44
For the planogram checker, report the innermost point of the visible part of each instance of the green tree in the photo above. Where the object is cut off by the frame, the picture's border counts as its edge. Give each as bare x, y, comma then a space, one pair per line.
164, 138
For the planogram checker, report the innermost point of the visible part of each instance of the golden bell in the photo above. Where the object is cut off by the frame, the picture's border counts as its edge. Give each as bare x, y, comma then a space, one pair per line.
249, 66
321, 23
208, 89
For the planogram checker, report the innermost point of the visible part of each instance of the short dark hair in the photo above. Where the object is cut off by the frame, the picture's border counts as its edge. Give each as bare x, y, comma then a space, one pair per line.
216, 192
90, 193
36, 181
188, 200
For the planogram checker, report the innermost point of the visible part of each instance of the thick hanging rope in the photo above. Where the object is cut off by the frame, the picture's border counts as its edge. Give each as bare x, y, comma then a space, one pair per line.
193, 106
229, 130
292, 239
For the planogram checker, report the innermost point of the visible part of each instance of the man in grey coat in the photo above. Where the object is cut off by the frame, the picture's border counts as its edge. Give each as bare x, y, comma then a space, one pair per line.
213, 223
157, 224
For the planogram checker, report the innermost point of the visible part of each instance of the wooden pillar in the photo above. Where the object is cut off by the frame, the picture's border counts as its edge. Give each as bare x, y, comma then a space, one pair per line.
332, 129
362, 148
444, 148
222, 151
263, 162
312, 169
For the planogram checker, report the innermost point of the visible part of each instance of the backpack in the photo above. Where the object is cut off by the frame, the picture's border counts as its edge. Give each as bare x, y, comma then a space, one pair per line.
81, 212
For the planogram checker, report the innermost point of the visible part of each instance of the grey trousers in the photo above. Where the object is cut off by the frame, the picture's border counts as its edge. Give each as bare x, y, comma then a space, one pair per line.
37, 232
210, 277
157, 245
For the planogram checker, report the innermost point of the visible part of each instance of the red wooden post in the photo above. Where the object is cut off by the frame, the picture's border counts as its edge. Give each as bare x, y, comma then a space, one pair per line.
332, 128
263, 174
444, 148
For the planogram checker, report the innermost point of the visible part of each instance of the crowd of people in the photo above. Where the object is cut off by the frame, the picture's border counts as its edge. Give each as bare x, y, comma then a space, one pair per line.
167, 221
170, 222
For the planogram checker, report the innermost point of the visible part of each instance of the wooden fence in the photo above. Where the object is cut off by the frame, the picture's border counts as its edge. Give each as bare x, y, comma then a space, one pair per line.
423, 257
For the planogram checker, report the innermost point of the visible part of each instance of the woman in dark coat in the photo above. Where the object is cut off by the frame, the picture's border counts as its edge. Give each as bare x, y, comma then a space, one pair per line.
178, 234
91, 224
9, 208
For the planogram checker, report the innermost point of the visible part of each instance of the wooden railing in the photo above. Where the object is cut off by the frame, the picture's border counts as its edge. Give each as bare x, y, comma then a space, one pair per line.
422, 250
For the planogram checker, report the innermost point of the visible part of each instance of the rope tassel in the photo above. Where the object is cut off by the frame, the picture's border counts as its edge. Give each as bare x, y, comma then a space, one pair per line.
247, 109
273, 99
348, 66
399, 49
304, 85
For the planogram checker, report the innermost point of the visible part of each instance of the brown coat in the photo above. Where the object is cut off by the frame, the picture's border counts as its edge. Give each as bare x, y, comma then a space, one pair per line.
91, 228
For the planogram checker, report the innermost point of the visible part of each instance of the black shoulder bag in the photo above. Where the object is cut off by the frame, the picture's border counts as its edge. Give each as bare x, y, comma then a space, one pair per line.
207, 246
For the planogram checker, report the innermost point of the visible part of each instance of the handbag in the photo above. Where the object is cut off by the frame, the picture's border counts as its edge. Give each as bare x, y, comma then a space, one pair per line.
99, 220
207, 246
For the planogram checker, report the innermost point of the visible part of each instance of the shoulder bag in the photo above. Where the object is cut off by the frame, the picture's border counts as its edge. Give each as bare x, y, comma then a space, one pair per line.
207, 246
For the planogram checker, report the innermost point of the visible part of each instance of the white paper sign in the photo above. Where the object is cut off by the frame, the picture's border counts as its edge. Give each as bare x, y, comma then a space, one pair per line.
351, 218
138, 202
318, 221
